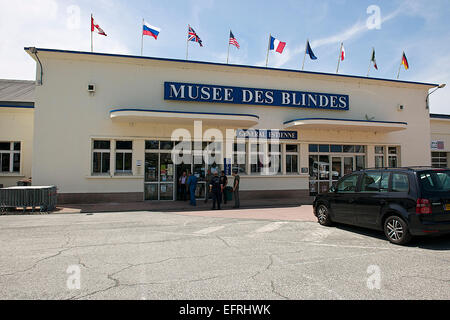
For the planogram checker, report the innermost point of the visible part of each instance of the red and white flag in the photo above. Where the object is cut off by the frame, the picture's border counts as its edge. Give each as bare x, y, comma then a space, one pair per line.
342, 52
96, 26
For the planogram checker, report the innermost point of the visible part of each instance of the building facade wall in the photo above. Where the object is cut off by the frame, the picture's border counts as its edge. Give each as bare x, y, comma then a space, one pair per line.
16, 125
67, 117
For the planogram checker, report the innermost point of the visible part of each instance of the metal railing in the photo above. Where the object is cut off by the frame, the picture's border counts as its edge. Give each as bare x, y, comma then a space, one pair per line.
43, 198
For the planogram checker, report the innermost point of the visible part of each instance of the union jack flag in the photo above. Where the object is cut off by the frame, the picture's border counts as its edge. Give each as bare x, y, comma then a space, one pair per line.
192, 36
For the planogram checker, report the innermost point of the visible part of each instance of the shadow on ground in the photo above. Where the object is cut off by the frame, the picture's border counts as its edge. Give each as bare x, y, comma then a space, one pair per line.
432, 242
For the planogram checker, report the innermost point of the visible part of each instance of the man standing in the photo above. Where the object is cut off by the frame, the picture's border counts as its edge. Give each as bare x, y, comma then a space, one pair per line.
208, 179
192, 185
182, 186
215, 188
224, 183
237, 180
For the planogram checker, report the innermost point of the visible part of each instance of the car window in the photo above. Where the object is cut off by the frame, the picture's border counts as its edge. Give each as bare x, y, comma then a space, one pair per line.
371, 182
400, 182
433, 181
384, 183
347, 184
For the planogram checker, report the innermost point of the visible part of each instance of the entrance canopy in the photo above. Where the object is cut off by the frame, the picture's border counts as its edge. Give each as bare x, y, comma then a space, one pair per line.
345, 124
172, 116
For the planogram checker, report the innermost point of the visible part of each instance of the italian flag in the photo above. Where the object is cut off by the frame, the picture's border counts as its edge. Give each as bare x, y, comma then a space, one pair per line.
373, 59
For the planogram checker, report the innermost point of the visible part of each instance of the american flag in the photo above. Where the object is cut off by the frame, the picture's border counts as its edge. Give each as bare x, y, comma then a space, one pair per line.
233, 40
192, 36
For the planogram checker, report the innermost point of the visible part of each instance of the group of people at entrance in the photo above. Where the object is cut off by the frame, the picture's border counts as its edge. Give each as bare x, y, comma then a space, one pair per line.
215, 188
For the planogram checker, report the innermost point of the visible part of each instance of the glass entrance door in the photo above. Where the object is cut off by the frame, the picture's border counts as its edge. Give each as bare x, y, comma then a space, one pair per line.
159, 177
324, 170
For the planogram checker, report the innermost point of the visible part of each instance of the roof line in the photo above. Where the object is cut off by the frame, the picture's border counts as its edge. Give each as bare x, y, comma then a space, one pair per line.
189, 112
439, 116
376, 121
230, 65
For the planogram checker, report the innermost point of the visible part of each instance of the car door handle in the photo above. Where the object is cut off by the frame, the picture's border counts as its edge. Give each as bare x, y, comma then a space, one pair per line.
383, 202
351, 200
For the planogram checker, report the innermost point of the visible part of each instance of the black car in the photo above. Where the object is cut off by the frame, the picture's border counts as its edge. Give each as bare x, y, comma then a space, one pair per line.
403, 202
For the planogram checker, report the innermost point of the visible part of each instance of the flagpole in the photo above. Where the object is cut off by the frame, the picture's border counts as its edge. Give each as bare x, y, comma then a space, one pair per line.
304, 57
187, 44
142, 37
400, 66
339, 58
370, 62
228, 54
268, 48
92, 42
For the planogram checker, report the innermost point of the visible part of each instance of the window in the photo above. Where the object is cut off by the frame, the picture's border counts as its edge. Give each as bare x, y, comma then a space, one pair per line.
435, 181
379, 157
151, 145
239, 158
101, 156
257, 152
392, 157
9, 157
348, 184
371, 182
400, 182
291, 158
439, 159
274, 165
360, 162
124, 154
384, 183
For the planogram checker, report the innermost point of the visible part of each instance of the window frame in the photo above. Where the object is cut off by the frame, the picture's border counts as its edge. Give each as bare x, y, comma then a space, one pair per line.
292, 154
11, 153
101, 152
124, 152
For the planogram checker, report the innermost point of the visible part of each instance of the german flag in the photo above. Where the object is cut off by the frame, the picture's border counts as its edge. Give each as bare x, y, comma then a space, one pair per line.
405, 61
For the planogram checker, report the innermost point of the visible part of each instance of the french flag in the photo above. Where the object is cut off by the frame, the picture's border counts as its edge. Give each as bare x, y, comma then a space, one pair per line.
277, 45
149, 30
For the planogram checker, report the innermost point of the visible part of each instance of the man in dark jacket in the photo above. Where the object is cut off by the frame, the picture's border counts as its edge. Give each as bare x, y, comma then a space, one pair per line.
224, 183
215, 188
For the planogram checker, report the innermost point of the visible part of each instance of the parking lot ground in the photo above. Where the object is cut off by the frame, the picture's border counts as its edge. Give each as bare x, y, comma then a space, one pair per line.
200, 255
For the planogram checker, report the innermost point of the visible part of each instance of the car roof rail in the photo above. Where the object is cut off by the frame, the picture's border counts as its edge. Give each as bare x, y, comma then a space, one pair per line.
400, 168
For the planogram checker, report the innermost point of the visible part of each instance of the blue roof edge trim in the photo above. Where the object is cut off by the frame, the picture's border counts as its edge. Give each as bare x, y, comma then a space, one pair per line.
16, 106
230, 65
439, 116
369, 121
190, 112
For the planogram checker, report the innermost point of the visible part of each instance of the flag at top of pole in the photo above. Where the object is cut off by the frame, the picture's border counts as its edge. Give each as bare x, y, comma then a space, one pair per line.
308, 51
148, 30
404, 63
192, 36
341, 56
99, 31
372, 60
232, 41
274, 44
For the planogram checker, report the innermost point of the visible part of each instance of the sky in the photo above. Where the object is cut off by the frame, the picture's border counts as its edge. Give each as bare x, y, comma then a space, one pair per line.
418, 27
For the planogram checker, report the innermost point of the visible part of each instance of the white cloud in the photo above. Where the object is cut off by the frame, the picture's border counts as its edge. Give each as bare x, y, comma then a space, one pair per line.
44, 23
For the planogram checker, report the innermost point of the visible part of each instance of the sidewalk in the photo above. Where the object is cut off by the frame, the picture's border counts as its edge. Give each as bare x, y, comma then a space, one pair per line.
250, 209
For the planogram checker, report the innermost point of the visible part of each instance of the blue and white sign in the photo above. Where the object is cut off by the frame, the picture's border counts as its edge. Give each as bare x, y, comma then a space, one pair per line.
266, 134
266, 97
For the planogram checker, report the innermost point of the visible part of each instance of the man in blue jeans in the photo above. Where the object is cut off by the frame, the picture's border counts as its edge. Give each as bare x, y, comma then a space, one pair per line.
192, 185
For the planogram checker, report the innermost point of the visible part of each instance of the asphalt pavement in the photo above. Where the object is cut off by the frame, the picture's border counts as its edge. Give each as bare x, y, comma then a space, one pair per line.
156, 255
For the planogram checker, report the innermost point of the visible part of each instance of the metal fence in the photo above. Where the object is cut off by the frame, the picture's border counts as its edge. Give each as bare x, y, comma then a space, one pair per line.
23, 197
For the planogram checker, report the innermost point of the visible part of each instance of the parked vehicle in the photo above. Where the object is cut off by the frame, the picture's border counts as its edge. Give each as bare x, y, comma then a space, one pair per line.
322, 170
402, 202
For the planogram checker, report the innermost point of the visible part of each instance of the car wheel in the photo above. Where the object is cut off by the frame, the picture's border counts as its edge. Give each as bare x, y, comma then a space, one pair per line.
323, 215
396, 230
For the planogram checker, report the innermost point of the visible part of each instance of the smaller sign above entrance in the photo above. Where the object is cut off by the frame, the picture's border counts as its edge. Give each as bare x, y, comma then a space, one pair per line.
266, 134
